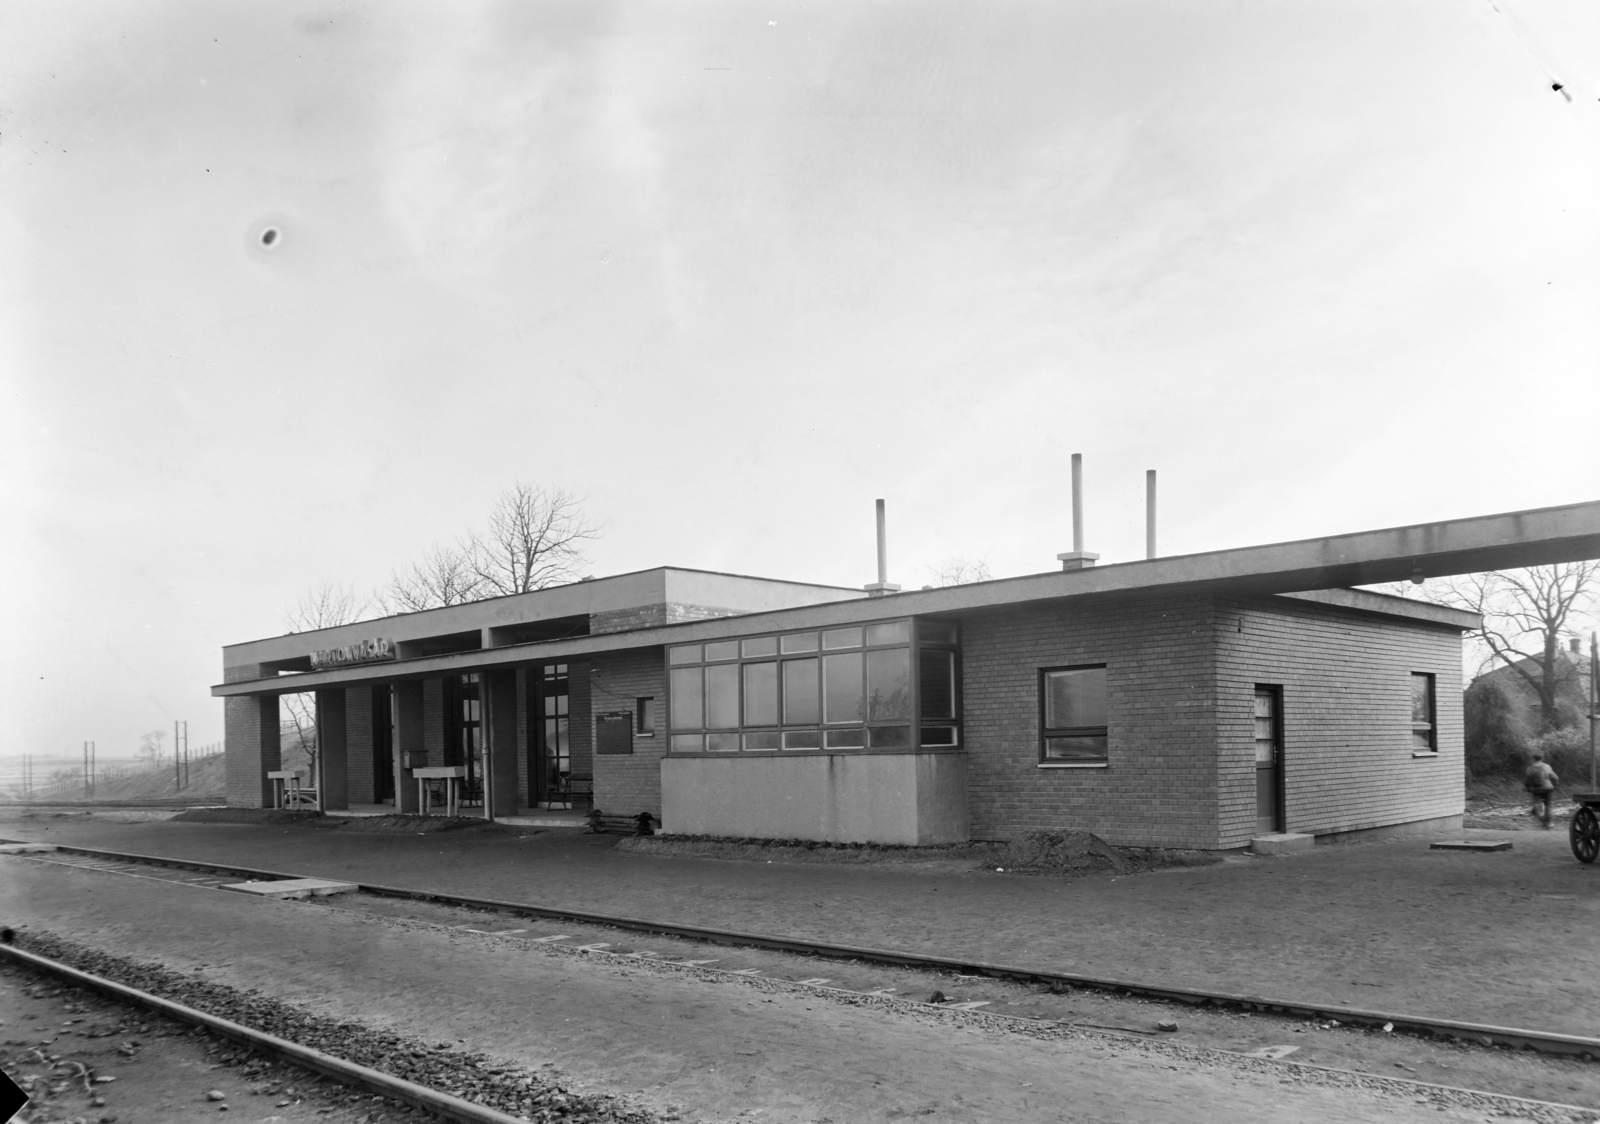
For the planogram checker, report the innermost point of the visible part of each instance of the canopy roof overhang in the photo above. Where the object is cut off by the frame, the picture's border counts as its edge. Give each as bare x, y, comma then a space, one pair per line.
1536, 537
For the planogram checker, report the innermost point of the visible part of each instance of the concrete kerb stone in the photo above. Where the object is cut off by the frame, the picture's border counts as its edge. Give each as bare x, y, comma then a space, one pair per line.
1282, 843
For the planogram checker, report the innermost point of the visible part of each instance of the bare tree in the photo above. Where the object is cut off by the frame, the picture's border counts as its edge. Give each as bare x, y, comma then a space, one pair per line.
534, 540
960, 570
153, 749
445, 576
326, 605
1525, 613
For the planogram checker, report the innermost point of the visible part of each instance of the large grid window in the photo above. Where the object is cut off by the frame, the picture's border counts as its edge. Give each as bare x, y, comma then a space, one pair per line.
888, 685
1424, 717
1072, 703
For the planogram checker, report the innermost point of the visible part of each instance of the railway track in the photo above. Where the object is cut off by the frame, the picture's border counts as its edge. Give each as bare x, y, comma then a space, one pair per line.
211, 874
445, 1105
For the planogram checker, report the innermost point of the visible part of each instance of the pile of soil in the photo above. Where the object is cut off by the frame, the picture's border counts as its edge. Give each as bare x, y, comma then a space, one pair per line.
249, 815
360, 825
418, 825
1062, 853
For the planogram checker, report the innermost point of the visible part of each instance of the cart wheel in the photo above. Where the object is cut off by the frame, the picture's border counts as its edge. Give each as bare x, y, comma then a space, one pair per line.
1585, 834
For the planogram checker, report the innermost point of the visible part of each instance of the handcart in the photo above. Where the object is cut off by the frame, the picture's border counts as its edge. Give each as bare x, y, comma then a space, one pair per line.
1585, 830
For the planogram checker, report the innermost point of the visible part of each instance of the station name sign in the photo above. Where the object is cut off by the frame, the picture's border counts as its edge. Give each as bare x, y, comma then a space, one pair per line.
365, 651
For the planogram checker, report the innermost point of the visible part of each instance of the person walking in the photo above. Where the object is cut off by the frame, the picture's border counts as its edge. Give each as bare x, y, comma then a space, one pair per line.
1540, 780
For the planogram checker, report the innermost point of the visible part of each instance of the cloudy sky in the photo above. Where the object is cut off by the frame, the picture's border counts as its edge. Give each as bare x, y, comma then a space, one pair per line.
732, 270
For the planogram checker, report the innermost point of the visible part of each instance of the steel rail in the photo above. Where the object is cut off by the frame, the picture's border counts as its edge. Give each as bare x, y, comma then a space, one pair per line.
1483, 1034
270, 1045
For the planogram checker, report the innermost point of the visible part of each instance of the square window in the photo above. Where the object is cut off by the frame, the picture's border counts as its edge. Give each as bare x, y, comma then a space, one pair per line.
1073, 710
644, 716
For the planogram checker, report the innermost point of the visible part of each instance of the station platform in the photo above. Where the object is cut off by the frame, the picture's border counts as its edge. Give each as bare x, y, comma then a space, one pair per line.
525, 817
1506, 938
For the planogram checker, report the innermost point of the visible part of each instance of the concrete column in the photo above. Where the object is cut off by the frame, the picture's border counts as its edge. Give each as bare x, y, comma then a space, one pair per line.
250, 725
499, 742
407, 740
333, 759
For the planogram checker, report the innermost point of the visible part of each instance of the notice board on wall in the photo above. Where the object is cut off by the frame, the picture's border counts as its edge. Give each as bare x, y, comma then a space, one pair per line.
613, 732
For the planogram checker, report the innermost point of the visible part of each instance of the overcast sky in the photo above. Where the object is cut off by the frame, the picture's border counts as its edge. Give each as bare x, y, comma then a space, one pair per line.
733, 270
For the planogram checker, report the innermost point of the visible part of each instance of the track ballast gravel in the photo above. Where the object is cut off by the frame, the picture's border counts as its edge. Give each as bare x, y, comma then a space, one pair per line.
472, 1076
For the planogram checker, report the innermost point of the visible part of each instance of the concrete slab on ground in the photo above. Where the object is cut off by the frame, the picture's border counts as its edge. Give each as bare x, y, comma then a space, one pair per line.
293, 888
1472, 845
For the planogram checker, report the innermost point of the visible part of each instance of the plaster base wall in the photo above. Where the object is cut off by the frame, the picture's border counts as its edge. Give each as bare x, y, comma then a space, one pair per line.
904, 798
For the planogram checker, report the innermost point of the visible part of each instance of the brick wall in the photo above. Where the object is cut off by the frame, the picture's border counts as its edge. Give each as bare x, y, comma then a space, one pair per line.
358, 741
1347, 751
652, 616
580, 720
630, 784
1159, 784
433, 720
250, 741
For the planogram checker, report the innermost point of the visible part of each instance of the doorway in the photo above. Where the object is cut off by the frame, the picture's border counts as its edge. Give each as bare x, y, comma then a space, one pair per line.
1269, 759
383, 744
551, 750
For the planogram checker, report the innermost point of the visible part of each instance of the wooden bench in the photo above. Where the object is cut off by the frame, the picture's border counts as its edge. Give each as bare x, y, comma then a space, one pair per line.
568, 787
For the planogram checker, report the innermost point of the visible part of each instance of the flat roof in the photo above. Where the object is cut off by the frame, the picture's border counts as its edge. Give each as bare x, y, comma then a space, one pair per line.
1333, 564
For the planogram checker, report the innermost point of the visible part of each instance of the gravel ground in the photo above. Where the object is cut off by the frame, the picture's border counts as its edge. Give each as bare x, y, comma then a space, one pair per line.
476, 1077
471, 1076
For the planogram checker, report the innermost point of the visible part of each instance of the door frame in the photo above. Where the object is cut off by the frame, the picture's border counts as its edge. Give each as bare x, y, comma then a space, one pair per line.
1280, 801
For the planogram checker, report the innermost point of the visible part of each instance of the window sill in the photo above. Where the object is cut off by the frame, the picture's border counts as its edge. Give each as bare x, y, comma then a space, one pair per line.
1074, 765
1416, 754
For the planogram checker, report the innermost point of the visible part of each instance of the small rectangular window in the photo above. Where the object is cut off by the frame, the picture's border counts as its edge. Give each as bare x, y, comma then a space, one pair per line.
722, 650
852, 737
1424, 723
842, 696
722, 697
760, 694
759, 646
800, 642
644, 716
938, 735
894, 632
936, 672
842, 638
688, 699
799, 691
1074, 707
688, 743
761, 739
684, 653
722, 743
936, 632
802, 739
891, 737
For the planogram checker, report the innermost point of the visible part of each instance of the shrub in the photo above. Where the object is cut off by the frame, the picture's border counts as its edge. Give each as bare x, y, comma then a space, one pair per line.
1497, 742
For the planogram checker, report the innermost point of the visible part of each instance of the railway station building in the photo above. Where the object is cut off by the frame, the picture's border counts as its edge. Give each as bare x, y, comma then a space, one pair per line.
1192, 701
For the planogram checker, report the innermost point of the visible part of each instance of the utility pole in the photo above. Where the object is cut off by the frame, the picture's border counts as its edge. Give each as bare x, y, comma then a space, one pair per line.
88, 769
